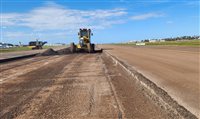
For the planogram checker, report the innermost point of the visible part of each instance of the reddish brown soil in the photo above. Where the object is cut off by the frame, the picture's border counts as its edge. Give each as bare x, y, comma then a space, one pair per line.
174, 69
71, 86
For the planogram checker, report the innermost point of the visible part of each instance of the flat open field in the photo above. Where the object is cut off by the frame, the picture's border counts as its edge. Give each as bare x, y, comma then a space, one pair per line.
73, 86
174, 69
191, 43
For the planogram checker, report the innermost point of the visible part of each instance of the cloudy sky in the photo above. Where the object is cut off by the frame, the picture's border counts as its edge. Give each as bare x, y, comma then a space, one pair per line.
111, 20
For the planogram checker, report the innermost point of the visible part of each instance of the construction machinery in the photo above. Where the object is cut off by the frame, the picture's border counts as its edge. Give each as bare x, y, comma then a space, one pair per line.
84, 42
36, 44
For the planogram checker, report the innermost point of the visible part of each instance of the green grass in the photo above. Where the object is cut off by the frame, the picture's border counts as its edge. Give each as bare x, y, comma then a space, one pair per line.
169, 43
14, 49
177, 43
22, 49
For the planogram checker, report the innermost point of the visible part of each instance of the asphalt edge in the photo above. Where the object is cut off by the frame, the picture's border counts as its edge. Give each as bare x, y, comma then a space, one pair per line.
159, 96
58, 52
17, 58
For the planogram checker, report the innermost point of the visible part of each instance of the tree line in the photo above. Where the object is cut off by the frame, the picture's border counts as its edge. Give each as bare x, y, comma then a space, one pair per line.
174, 38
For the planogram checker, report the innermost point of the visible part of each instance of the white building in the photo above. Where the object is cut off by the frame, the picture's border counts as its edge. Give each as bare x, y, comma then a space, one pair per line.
152, 41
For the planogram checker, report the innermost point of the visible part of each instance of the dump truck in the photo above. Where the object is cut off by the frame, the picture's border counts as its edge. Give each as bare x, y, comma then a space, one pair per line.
36, 44
84, 42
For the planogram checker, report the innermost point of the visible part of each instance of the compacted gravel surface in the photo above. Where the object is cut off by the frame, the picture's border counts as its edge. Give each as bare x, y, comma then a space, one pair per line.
176, 69
74, 86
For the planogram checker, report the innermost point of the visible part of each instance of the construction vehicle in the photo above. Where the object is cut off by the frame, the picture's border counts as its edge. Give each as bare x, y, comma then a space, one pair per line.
36, 44
84, 42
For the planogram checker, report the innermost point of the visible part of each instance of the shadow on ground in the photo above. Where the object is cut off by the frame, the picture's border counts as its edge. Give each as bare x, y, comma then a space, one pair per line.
107, 49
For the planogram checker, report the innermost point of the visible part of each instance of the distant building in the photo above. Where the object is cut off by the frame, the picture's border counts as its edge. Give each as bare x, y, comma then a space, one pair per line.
131, 41
139, 44
55, 44
162, 40
6, 45
152, 41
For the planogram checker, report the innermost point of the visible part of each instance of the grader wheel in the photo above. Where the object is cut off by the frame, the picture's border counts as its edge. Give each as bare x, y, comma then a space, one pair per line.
72, 48
93, 47
90, 48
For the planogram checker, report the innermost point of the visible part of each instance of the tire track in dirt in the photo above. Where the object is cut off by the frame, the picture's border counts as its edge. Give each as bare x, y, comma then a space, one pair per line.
132, 101
25, 87
84, 94
174, 69
16, 64
18, 71
75, 86
35, 104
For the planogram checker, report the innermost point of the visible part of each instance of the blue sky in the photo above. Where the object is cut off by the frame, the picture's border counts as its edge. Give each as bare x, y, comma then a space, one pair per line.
111, 20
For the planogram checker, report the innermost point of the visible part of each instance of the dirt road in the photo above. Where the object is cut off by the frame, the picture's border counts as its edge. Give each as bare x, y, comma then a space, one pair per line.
175, 69
71, 86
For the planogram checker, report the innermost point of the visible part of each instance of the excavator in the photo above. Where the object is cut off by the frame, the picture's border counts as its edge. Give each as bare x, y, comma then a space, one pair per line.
84, 42
36, 44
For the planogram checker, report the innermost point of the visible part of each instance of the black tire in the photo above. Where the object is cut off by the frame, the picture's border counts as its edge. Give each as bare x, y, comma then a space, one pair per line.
72, 48
93, 47
89, 47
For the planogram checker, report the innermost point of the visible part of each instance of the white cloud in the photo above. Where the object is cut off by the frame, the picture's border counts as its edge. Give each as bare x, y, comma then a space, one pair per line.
15, 34
25, 37
56, 17
10, 19
53, 21
147, 16
15, 37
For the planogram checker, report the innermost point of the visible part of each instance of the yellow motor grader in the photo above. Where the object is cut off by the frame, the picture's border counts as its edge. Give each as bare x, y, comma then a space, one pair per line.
84, 42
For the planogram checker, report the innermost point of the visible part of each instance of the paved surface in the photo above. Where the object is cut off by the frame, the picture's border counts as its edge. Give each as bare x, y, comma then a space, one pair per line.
175, 69
22, 53
71, 86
